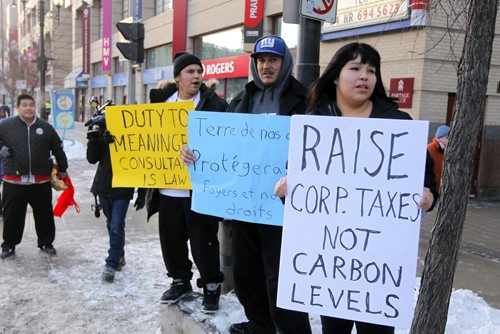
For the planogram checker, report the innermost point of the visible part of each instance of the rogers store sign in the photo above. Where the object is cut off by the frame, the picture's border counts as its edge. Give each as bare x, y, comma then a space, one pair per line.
225, 68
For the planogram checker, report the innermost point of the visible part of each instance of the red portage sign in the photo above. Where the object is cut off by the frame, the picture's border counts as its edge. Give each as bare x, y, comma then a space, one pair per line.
253, 27
401, 90
254, 12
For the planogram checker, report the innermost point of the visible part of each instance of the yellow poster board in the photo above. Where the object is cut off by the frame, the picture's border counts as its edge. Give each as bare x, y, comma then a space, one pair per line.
148, 139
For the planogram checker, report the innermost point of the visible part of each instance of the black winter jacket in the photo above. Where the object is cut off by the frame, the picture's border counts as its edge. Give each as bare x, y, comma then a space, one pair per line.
293, 99
31, 147
209, 101
98, 152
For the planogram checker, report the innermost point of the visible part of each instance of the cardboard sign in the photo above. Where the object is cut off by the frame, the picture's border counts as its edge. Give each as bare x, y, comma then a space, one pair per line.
240, 157
148, 139
351, 224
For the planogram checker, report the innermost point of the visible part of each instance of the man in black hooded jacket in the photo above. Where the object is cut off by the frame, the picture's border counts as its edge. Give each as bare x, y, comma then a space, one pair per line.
177, 222
256, 247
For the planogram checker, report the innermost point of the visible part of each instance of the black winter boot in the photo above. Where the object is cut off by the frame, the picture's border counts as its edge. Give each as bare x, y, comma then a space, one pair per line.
211, 295
178, 290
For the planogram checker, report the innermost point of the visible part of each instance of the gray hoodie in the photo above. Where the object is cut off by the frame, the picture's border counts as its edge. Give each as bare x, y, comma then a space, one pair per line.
267, 99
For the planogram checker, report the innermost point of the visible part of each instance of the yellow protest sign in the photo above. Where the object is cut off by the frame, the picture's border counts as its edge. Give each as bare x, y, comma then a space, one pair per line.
148, 139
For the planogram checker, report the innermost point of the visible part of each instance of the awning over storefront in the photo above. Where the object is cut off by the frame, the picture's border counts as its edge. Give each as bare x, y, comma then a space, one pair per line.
76, 79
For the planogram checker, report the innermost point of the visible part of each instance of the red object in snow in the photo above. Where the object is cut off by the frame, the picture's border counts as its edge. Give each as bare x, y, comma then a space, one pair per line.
66, 199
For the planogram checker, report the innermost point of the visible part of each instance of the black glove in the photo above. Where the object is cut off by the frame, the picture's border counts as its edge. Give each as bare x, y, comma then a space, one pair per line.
108, 137
140, 201
5, 152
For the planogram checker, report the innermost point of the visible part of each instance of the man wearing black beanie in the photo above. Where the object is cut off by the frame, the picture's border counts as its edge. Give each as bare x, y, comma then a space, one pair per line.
184, 59
178, 224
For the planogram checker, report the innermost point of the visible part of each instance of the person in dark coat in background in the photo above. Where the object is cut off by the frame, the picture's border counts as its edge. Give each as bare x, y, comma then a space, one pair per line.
351, 86
177, 222
256, 247
28, 143
113, 201
436, 149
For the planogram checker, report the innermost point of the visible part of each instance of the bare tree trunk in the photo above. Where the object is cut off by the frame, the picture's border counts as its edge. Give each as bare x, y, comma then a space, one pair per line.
441, 259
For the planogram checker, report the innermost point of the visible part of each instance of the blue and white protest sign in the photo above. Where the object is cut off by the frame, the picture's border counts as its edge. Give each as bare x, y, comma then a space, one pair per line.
351, 224
239, 159
63, 109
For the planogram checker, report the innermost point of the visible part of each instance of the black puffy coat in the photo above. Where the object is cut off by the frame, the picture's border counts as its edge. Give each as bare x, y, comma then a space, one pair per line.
31, 147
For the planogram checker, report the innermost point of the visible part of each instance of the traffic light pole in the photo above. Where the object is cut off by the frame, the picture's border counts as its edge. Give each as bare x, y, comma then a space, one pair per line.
131, 84
130, 69
308, 51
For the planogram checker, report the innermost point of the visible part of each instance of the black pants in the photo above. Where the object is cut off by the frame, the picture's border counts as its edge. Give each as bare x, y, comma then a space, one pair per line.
256, 255
332, 325
177, 225
15, 201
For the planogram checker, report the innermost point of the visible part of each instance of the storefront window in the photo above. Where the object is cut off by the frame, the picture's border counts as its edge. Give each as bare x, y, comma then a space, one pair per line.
233, 87
119, 65
289, 32
120, 96
222, 44
100, 92
148, 90
159, 56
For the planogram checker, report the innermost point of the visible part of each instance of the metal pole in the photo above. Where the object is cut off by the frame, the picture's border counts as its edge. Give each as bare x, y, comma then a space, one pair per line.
308, 51
42, 62
131, 98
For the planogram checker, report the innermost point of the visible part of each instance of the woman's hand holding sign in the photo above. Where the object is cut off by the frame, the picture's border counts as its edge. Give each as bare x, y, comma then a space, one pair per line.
280, 189
187, 155
426, 200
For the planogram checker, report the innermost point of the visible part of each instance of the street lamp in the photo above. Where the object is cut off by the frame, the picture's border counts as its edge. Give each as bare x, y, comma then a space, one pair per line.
58, 4
42, 61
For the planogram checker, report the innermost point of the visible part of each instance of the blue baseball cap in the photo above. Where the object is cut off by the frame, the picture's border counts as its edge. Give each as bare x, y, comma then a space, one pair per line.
269, 44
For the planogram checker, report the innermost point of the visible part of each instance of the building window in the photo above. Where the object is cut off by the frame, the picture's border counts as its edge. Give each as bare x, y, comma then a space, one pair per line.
219, 45
125, 12
97, 69
159, 56
161, 6
119, 65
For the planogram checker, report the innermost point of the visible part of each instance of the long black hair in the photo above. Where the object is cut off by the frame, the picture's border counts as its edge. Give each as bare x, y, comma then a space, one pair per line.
324, 86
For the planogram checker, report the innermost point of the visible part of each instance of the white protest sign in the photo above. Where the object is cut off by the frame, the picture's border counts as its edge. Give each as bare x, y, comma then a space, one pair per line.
351, 226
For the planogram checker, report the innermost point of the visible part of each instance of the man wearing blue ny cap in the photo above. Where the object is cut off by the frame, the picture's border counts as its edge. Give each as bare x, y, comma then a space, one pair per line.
256, 247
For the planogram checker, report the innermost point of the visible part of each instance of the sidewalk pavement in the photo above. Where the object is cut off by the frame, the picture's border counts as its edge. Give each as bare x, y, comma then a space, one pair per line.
478, 267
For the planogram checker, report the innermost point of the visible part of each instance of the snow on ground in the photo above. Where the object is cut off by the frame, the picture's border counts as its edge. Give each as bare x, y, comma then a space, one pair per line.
65, 294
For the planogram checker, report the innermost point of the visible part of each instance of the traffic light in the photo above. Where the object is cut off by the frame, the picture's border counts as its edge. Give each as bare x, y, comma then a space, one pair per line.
133, 32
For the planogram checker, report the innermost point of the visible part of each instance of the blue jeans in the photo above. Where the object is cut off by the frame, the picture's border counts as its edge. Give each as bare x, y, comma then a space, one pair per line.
115, 211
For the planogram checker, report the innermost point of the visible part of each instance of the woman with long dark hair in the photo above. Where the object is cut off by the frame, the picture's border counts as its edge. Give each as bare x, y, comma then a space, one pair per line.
352, 86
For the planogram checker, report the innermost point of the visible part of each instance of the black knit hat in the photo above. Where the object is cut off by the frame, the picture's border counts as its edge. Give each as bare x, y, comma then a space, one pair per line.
184, 59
